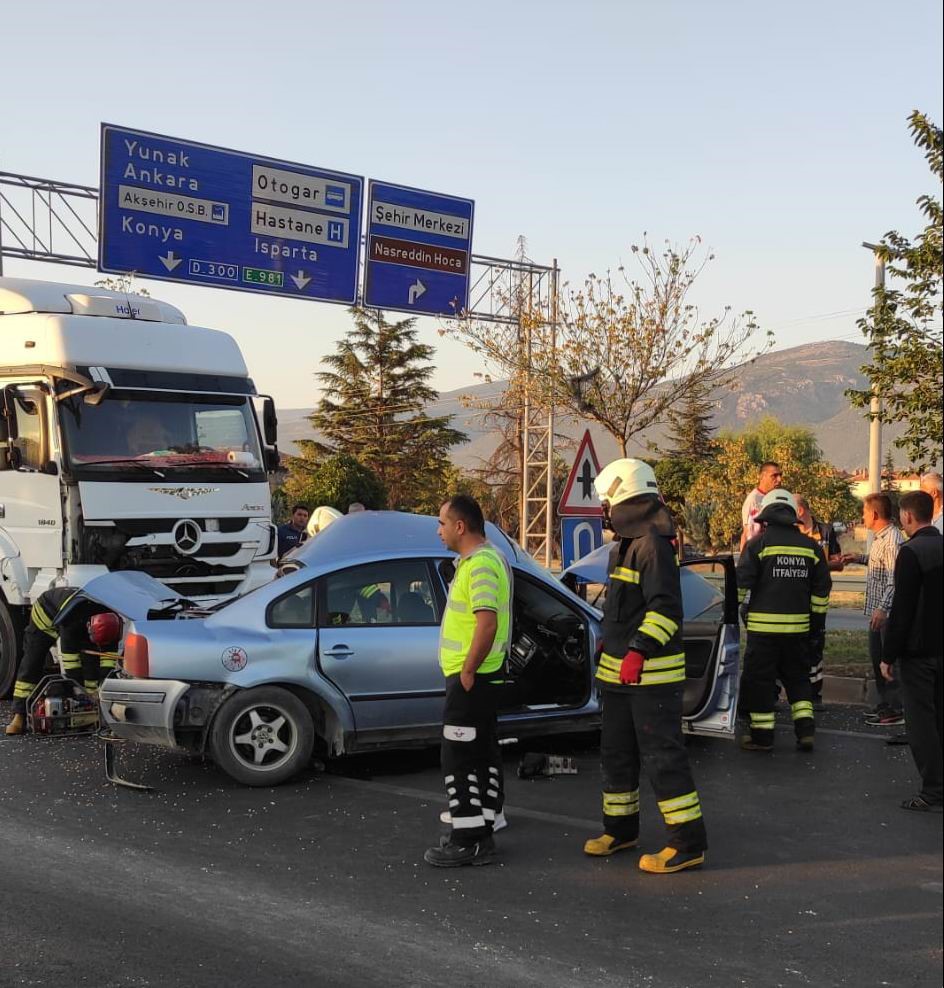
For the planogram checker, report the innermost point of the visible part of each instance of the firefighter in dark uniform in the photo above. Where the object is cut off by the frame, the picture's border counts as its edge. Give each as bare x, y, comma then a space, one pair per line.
642, 675
784, 578
84, 635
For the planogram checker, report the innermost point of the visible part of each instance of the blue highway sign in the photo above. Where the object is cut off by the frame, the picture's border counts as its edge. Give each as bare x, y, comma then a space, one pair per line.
419, 248
181, 211
579, 537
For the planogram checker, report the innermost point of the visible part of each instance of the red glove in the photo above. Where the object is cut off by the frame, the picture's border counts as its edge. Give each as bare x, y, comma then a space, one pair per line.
631, 667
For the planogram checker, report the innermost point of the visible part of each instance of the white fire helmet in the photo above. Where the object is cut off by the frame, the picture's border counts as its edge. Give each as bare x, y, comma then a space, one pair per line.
623, 479
779, 496
321, 518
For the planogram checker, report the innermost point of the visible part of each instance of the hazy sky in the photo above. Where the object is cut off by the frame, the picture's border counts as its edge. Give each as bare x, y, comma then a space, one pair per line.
775, 131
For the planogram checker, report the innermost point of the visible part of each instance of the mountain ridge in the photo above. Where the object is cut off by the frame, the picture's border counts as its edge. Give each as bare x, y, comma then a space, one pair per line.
800, 385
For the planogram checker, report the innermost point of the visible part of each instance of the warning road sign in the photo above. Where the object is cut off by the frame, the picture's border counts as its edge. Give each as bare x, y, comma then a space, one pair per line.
579, 497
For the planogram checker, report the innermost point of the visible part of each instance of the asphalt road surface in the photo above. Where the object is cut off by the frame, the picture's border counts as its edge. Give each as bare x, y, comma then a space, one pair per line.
814, 877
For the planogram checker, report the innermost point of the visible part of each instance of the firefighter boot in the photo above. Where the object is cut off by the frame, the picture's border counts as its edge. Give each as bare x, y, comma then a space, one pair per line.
605, 845
17, 725
670, 860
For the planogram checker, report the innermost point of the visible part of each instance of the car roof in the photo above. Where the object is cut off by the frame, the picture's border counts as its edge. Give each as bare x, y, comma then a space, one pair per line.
369, 535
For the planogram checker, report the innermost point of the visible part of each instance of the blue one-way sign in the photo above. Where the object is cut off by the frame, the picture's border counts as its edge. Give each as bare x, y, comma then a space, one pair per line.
419, 248
182, 211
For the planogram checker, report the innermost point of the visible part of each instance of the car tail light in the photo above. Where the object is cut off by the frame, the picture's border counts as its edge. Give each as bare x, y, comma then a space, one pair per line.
136, 655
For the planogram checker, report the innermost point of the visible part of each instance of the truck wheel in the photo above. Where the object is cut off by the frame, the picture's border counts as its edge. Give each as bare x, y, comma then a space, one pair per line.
262, 736
10, 641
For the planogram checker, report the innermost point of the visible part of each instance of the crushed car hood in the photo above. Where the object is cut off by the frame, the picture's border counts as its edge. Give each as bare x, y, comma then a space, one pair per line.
131, 594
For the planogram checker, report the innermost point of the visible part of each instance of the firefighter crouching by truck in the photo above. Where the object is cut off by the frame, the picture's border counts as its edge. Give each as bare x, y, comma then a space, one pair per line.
642, 674
784, 579
84, 635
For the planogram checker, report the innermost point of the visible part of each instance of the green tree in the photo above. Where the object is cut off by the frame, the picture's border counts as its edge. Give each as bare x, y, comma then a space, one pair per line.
888, 473
675, 475
720, 487
336, 481
373, 408
904, 325
691, 434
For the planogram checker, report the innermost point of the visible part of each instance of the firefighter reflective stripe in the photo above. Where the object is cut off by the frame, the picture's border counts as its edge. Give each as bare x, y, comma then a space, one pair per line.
459, 606
763, 722
108, 660
42, 620
655, 671
22, 689
657, 626
778, 624
788, 550
91, 685
71, 660
621, 803
819, 605
681, 809
801, 709
625, 574
742, 595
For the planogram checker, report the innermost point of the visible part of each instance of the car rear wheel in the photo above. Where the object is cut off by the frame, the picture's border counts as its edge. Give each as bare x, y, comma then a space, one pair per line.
262, 736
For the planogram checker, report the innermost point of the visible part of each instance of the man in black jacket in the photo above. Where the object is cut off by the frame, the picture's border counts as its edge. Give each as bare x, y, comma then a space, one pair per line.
914, 640
786, 576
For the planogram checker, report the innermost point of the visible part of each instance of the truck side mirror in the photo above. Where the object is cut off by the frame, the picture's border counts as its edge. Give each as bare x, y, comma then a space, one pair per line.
272, 458
270, 422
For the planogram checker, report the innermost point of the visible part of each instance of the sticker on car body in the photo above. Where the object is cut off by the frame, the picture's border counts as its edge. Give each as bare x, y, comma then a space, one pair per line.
235, 658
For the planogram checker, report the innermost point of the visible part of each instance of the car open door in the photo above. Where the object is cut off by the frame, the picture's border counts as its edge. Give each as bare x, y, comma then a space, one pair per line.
712, 646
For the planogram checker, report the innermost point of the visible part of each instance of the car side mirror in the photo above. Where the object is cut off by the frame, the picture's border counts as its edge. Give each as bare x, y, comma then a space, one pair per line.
447, 570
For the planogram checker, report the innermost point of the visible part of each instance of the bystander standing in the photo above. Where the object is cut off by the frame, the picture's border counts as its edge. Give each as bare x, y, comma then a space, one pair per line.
294, 532
913, 642
933, 485
769, 479
879, 593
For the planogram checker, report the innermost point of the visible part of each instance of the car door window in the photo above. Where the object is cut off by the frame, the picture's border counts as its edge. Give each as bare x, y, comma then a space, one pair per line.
395, 592
293, 610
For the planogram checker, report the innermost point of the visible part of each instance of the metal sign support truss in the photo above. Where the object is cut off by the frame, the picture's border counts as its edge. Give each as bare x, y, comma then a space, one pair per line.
57, 222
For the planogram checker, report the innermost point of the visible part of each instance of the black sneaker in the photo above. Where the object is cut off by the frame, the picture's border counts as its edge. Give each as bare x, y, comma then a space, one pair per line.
888, 718
875, 712
450, 855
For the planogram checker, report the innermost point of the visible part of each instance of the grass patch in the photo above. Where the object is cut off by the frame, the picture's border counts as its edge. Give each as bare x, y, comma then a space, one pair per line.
847, 598
847, 654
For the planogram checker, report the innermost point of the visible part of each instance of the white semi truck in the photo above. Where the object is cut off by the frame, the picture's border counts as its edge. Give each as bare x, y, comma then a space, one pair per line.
128, 441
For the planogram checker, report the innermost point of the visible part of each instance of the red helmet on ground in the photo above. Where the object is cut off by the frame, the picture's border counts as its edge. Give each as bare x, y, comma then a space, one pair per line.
104, 629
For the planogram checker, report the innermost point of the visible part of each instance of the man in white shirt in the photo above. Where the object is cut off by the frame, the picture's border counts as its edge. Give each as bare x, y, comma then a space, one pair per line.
879, 592
771, 477
933, 485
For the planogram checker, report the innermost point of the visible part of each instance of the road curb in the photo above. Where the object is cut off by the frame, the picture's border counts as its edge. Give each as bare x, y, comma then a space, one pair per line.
845, 689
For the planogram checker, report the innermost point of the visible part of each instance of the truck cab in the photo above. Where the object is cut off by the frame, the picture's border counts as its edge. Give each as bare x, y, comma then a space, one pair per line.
129, 440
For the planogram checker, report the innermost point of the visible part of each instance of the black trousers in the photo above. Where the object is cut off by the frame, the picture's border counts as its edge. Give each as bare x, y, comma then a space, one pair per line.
642, 729
471, 758
817, 645
889, 693
921, 688
769, 659
83, 667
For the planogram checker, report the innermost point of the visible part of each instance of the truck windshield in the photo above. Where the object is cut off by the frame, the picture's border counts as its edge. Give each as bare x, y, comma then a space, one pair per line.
188, 435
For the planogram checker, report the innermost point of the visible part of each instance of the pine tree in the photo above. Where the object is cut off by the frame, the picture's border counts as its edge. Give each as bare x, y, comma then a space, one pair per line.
374, 395
692, 433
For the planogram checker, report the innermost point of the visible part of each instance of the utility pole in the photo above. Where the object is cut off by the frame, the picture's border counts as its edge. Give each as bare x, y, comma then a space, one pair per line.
875, 406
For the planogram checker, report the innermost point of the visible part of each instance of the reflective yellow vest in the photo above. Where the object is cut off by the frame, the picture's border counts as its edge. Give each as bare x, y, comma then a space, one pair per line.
482, 583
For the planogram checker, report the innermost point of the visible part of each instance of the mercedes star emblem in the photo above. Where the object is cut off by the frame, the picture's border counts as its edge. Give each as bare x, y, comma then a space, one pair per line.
187, 536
